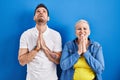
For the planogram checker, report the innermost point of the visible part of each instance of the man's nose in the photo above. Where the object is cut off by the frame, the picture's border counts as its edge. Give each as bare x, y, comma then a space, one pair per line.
40, 12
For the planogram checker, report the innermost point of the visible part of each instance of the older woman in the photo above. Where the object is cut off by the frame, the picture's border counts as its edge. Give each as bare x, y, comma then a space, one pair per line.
82, 58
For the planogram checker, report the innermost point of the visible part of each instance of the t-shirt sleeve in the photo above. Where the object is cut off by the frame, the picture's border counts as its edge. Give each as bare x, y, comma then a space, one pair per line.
23, 41
58, 43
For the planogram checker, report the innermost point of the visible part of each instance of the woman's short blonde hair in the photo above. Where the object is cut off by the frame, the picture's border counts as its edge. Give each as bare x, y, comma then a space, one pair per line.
81, 21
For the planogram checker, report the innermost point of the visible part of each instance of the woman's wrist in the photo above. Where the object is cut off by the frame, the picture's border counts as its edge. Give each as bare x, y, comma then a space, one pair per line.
79, 52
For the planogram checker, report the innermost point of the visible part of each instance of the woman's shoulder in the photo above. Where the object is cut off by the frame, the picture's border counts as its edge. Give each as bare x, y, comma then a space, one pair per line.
95, 43
70, 42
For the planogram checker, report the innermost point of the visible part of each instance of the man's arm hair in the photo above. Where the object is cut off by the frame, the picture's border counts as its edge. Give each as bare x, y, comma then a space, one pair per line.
25, 56
53, 56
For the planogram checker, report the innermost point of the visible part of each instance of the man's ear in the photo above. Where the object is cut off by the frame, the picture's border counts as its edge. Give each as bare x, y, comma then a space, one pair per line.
34, 18
48, 18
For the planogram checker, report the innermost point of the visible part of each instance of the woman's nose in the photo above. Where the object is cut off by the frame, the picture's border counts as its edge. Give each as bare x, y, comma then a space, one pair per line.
82, 31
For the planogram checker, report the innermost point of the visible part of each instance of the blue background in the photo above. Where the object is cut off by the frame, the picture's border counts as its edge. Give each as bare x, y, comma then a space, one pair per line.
17, 15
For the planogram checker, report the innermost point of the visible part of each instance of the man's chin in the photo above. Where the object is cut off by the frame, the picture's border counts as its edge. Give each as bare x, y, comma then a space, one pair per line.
40, 20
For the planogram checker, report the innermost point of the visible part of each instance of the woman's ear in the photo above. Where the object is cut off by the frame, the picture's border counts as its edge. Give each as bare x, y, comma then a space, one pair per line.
89, 32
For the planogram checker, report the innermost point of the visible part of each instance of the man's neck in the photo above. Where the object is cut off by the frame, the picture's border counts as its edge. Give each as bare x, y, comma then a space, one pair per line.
42, 28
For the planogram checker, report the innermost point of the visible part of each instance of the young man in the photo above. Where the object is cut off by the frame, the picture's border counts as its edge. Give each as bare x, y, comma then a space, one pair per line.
40, 48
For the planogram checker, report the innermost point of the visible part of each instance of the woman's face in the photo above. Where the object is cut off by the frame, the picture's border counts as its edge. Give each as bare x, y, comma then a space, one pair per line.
82, 30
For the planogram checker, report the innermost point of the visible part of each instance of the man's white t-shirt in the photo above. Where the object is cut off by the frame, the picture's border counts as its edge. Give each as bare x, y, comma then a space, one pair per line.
41, 68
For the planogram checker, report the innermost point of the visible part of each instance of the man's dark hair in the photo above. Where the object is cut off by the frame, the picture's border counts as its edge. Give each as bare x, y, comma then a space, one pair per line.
41, 5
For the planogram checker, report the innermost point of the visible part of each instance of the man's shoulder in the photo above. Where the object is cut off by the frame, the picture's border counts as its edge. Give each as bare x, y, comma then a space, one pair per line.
55, 32
28, 31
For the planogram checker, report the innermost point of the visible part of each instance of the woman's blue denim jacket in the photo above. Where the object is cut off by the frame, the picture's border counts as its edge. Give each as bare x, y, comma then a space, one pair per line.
70, 56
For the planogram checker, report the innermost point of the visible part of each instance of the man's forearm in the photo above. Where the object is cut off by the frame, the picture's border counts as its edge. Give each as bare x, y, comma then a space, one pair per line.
27, 57
51, 56
54, 57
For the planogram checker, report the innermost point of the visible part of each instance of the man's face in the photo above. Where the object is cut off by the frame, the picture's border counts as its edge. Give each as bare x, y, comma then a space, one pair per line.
41, 15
